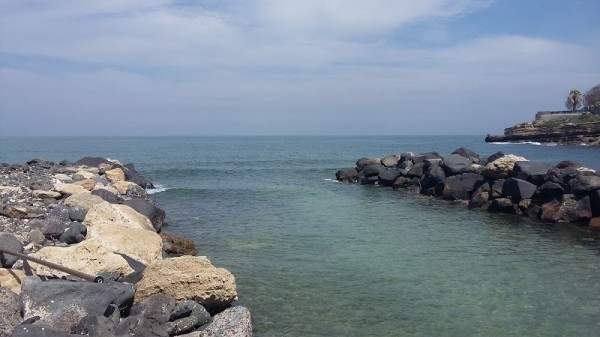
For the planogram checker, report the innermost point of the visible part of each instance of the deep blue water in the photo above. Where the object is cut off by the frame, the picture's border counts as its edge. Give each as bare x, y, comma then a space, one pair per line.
316, 258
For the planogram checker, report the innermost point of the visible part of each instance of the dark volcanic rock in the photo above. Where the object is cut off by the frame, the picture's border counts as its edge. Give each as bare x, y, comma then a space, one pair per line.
456, 164
347, 175
177, 246
147, 208
37, 330
502, 205
531, 171
53, 228
416, 170
495, 156
107, 196
471, 155
133, 176
420, 158
93, 161
74, 234
518, 189
10, 242
235, 321
460, 187
187, 316
568, 209
77, 213
433, 176
584, 184
63, 304
388, 177
548, 191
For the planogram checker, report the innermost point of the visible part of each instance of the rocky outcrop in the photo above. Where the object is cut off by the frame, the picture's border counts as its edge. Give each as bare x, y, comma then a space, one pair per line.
575, 130
99, 221
503, 183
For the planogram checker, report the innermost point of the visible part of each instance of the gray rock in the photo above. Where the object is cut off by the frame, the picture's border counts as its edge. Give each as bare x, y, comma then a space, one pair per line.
495, 156
147, 208
75, 233
583, 184
95, 326
9, 241
53, 228
471, 155
187, 316
10, 311
518, 189
61, 212
233, 322
531, 171
502, 205
347, 175
434, 175
63, 304
497, 186
36, 330
420, 158
107, 196
456, 164
416, 170
387, 177
133, 176
93, 161
548, 191
77, 213
373, 170
460, 187
362, 162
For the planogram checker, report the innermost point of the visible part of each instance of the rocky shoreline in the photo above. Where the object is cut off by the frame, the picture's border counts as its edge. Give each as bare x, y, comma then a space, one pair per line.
565, 193
95, 216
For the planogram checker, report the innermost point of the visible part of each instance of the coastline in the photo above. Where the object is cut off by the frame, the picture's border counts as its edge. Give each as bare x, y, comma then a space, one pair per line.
95, 216
564, 193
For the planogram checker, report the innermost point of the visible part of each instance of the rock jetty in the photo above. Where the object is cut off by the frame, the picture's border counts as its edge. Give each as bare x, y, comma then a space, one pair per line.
95, 216
506, 183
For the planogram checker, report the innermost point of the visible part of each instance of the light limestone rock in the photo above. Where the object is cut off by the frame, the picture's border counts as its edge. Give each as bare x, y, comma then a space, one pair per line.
89, 257
85, 200
502, 167
9, 189
11, 279
88, 184
189, 278
84, 174
233, 322
115, 215
46, 194
63, 177
115, 175
123, 186
139, 244
111, 189
70, 189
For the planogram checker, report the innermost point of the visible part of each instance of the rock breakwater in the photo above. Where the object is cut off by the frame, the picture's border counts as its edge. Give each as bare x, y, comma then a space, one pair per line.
564, 193
95, 216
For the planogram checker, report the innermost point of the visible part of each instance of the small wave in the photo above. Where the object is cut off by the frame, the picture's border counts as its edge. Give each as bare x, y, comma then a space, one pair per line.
331, 180
518, 143
157, 189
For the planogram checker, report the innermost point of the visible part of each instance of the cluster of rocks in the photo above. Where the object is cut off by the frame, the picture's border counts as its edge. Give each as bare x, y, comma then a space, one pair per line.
566, 192
95, 216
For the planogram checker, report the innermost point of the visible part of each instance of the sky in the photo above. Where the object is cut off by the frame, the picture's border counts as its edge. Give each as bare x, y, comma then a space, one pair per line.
290, 67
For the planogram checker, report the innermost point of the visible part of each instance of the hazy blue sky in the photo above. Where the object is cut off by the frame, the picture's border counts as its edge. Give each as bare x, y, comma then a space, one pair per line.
279, 67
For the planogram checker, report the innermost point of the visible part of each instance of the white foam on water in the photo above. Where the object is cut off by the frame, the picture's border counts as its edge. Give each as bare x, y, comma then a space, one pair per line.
331, 180
157, 189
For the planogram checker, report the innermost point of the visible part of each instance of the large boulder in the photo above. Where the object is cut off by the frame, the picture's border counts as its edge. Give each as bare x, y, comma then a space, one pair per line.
107, 195
517, 189
460, 187
584, 184
115, 215
362, 162
502, 167
189, 278
115, 175
176, 245
93, 161
233, 322
548, 191
10, 311
390, 161
85, 200
433, 176
89, 257
387, 177
562, 175
63, 305
148, 209
530, 171
471, 155
502, 205
568, 209
133, 176
141, 245
456, 164
348, 175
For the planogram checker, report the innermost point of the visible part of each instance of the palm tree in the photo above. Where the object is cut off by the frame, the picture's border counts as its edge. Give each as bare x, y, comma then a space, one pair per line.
573, 100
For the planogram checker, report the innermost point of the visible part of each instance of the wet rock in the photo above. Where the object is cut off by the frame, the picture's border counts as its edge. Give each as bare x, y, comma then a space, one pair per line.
177, 246
347, 175
502, 205
480, 198
594, 224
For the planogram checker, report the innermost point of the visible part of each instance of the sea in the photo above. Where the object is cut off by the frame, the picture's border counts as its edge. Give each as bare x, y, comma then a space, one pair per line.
314, 257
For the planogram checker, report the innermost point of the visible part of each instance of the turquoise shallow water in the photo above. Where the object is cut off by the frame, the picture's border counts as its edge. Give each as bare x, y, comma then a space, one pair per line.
316, 258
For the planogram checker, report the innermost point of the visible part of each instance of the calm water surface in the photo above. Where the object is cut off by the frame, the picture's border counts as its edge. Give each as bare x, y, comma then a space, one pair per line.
316, 258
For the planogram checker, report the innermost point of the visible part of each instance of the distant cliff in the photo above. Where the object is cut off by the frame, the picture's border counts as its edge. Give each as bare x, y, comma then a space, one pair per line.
560, 127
